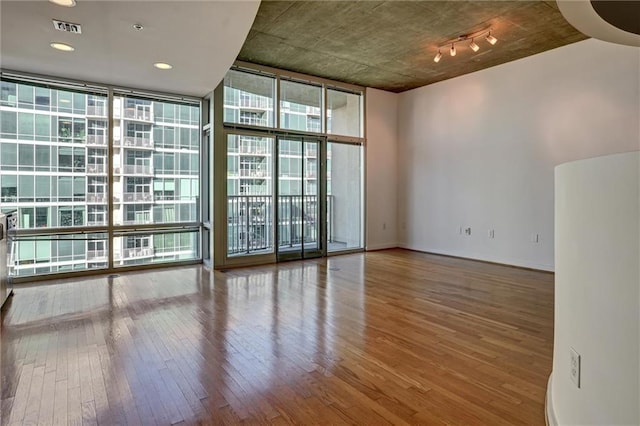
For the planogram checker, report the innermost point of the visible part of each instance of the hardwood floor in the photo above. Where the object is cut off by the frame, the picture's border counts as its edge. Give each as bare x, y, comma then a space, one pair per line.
374, 338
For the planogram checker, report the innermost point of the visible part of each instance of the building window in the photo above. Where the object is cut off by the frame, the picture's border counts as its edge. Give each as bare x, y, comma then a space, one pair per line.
54, 171
249, 99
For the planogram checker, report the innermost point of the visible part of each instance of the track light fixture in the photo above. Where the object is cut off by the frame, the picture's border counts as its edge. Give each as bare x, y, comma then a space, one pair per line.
465, 37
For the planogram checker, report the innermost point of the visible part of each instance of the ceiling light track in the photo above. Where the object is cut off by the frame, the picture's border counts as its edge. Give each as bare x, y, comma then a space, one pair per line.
451, 44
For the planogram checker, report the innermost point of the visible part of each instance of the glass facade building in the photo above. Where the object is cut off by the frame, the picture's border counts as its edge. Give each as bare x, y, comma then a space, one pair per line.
54, 170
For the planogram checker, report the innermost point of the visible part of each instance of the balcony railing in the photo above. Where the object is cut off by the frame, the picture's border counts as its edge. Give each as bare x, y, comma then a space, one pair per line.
137, 114
97, 198
250, 224
254, 121
253, 173
137, 142
97, 254
145, 221
250, 149
255, 102
129, 253
129, 197
97, 140
96, 169
134, 169
97, 111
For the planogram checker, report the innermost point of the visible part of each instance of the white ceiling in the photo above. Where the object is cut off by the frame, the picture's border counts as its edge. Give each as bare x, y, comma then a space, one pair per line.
201, 39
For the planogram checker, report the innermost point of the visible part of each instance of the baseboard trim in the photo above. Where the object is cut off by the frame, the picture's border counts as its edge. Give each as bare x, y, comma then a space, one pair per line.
549, 413
376, 247
529, 266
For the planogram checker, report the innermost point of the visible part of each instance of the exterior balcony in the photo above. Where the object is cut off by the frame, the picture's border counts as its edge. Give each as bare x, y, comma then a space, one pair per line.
137, 114
134, 170
98, 140
253, 102
253, 173
252, 121
96, 198
96, 169
252, 150
137, 197
137, 252
97, 222
137, 142
145, 221
97, 111
97, 255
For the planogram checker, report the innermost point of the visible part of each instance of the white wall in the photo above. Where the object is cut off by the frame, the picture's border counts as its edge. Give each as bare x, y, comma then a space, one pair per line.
381, 169
479, 150
597, 303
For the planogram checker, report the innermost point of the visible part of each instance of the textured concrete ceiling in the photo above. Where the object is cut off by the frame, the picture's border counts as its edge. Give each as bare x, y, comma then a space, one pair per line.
390, 45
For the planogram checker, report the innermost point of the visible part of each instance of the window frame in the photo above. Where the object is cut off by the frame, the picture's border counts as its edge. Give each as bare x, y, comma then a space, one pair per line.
84, 91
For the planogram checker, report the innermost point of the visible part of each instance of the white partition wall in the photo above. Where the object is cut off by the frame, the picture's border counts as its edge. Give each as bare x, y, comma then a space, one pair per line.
478, 151
597, 312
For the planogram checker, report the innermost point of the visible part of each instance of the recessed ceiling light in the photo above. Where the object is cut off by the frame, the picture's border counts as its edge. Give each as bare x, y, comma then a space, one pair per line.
63, 47
65, 3
162, 66
138, 27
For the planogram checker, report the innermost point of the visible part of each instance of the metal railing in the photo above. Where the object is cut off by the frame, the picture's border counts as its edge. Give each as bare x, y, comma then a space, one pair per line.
250, 224
137, 142
97, 198
96, 169
137, 114
254, 121
97, 111
134, 169
253, 173
255, 102
129, 197
96, 139
137, 252
97, 254
297, 220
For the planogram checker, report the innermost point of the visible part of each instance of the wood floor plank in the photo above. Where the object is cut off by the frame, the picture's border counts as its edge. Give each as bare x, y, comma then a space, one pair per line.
388, 337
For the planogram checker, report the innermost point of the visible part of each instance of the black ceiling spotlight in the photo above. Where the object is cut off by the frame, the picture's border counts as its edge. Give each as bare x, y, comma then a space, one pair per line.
465, 37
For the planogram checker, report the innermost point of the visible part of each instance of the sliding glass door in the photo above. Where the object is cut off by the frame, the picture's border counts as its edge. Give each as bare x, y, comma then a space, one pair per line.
300, 204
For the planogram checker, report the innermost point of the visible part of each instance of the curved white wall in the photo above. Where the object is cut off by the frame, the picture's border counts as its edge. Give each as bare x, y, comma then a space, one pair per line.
597, 305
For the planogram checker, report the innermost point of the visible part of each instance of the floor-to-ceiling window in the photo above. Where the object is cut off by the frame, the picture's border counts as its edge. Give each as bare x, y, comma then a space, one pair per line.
93, 197
156, 172
294, 172
344, 196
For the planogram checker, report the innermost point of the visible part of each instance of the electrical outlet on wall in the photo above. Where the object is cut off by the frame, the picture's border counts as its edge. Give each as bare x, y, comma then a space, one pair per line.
467, 231
492, 233
535, 238
575, 367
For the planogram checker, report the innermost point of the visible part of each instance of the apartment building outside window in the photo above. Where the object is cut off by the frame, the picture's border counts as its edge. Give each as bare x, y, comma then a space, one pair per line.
54, 159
